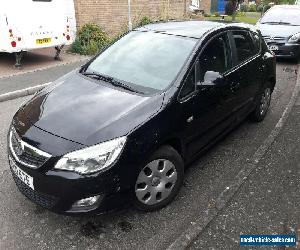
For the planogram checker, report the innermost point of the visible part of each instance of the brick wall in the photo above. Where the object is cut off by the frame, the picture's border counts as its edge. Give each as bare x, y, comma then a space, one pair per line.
112, 15
205, 5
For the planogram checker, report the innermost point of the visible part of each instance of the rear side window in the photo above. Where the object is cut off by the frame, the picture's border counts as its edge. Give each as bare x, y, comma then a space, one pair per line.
244, 45
256, 42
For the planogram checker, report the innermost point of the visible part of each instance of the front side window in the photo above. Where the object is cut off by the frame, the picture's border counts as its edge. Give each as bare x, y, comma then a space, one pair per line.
244, 46
146, 61
189, 84
215, 57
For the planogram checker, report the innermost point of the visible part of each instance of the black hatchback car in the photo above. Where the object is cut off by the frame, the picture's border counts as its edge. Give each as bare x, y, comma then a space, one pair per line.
123, 128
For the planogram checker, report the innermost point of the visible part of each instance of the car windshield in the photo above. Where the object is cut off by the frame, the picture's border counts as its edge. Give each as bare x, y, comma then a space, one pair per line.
146, 61
286, 16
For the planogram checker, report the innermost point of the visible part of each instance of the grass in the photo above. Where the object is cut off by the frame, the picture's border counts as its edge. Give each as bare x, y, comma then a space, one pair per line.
249, 17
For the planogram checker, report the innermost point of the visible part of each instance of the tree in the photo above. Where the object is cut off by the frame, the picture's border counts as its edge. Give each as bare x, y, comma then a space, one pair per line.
231, 8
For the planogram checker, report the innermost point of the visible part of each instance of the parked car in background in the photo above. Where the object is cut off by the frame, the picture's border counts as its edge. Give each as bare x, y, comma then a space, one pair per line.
33, 24
124, 127
280, 27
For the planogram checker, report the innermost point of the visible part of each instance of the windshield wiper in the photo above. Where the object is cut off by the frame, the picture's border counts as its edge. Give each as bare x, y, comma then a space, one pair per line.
124, 86
111, 80
98, 76
283, 23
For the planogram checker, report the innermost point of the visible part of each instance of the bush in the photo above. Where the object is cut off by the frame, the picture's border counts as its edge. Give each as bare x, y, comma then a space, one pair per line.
90, 39
252, 8
240, 14
229, 8
216, 14
206, 15
244, 7
145, 20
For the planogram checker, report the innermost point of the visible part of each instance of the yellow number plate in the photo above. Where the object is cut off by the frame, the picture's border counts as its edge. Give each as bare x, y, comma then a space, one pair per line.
43, 41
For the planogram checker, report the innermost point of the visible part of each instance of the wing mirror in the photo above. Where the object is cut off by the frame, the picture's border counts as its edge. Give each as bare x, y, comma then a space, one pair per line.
211, 78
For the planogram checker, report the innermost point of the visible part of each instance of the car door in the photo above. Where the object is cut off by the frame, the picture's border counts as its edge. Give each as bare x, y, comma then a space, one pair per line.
247, 61
207, 110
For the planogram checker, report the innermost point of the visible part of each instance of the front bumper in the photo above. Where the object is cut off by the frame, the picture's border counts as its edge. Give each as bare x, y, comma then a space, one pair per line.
57, 191
287, 50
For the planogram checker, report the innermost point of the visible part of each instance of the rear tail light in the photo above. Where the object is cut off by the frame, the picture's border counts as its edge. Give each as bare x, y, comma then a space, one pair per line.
13, 44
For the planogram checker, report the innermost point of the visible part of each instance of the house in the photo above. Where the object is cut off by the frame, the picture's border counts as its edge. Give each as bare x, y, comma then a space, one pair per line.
112, 15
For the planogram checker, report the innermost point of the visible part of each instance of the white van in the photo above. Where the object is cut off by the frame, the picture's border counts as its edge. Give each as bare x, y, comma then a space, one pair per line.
33, 24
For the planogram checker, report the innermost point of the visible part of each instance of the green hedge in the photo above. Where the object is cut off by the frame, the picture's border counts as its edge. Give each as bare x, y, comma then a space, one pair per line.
90, 39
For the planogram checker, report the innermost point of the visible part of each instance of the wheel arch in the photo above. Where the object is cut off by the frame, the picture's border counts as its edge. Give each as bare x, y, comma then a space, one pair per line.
272, 80
177, 144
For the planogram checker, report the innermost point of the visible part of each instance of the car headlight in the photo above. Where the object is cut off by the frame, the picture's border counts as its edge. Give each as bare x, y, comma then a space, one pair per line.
92, 159
294, 38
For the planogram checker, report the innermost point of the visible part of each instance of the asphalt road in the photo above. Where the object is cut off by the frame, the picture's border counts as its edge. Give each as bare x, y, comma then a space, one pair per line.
23, 225
35, 78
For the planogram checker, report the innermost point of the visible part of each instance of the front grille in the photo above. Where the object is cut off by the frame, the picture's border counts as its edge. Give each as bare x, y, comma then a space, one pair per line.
44, 200
25, 153
274, 38
277, 40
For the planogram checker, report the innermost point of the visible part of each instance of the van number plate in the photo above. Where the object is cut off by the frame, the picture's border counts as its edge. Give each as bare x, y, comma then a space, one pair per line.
43, 41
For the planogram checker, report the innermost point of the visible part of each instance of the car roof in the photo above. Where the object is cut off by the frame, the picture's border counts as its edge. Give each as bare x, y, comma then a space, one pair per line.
193, 29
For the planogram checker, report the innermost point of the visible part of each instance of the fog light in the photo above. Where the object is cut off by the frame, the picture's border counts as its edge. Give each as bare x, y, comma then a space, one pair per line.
86, 202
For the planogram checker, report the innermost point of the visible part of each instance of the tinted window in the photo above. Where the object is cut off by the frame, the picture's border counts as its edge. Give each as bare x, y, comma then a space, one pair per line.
256, 42
278, 15
215, 57
243, 45
189, 84
145, 60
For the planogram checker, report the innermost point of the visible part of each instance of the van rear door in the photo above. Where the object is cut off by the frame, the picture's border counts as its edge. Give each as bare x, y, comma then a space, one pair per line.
41, 23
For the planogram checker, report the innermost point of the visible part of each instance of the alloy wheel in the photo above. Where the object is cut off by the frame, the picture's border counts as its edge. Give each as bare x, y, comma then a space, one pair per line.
265, 101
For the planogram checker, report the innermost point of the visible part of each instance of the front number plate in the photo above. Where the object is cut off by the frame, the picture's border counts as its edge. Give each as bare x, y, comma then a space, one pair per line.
273, 47
24, 177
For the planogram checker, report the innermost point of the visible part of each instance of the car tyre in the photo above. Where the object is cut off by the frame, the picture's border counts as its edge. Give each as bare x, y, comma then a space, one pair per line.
263, 104
159, 180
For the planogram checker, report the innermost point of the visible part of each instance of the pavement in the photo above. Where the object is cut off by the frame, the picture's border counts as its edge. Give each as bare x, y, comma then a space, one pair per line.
263, 201
268, 202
